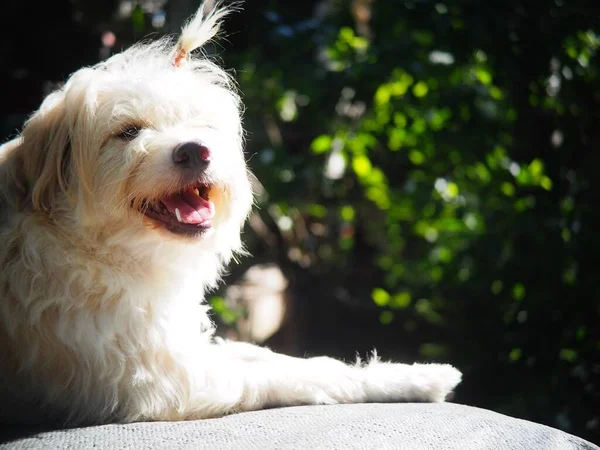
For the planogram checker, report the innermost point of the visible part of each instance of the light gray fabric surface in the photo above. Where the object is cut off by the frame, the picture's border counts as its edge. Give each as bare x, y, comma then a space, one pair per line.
371, 426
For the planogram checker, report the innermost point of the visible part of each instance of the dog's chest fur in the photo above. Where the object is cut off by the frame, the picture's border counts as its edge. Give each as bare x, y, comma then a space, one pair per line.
99, 327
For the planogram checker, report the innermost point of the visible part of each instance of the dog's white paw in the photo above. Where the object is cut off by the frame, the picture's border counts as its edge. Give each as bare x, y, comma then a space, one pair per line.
434, 382
386, 382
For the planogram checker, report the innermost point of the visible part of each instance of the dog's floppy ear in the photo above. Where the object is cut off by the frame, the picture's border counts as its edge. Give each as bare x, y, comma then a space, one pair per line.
40, 165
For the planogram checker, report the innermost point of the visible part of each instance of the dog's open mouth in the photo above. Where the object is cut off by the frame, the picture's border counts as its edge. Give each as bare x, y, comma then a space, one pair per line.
187, 212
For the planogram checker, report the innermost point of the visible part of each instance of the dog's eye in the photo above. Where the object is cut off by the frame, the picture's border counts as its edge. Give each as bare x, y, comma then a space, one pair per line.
129, 133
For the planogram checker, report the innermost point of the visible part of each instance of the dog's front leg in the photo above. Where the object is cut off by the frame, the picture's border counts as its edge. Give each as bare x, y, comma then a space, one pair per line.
246, 377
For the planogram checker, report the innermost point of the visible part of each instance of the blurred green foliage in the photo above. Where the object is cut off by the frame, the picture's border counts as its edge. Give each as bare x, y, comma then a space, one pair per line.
432, 165
450, 147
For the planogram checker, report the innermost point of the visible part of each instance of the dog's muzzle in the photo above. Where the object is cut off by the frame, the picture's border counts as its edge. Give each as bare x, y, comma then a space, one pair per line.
190, 210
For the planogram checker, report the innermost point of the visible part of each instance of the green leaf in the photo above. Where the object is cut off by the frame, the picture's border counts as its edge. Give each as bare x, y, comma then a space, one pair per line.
416, 157
484, 76
400, 300
496, 287
546, 183
220, 307
396, 138
347, 213
515, 354
425, 309
423, 37
507, 189
316, 210
536, 168
386, 317
383, 95
321, 144
432, 350
381, 297
496, 93
361, 165
518, 292
137, 19
568, 354
452, 190
420, 89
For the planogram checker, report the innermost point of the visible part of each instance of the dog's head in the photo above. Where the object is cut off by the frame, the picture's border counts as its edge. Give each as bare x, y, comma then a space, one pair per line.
148, 141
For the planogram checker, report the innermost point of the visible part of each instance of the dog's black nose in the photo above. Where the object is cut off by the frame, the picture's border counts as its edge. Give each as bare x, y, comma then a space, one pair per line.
192, 155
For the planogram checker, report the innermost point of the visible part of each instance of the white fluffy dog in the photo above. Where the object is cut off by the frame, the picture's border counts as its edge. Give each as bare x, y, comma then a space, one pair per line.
120, 204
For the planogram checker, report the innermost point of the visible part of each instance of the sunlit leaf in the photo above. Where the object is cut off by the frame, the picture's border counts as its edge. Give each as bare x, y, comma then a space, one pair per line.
220, 307
361, 165
546, 183
347, 213
401, 300
396, 138
318, 211
321, 144
381, 297
536, 168
496, 93
452, 190
416, 157
483, 75
507, 189
383, 94
420, 89
518, 291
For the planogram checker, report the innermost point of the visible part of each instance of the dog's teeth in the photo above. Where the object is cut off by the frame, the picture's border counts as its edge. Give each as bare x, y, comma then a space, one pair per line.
197, 192
178, 214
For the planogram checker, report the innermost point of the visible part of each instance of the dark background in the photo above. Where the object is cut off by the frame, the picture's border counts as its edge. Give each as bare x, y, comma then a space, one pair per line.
461, 224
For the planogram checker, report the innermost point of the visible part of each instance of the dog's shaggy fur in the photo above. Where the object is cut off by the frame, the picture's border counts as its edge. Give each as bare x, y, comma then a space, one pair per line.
102, 279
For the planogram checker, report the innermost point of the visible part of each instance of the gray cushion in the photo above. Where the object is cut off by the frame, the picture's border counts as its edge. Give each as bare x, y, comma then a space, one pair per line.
370, 426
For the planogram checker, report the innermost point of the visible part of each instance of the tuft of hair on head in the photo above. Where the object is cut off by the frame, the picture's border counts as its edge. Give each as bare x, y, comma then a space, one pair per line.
199, 29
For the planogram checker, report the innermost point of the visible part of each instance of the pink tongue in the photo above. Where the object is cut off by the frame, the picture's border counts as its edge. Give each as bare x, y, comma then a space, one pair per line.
189, 207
